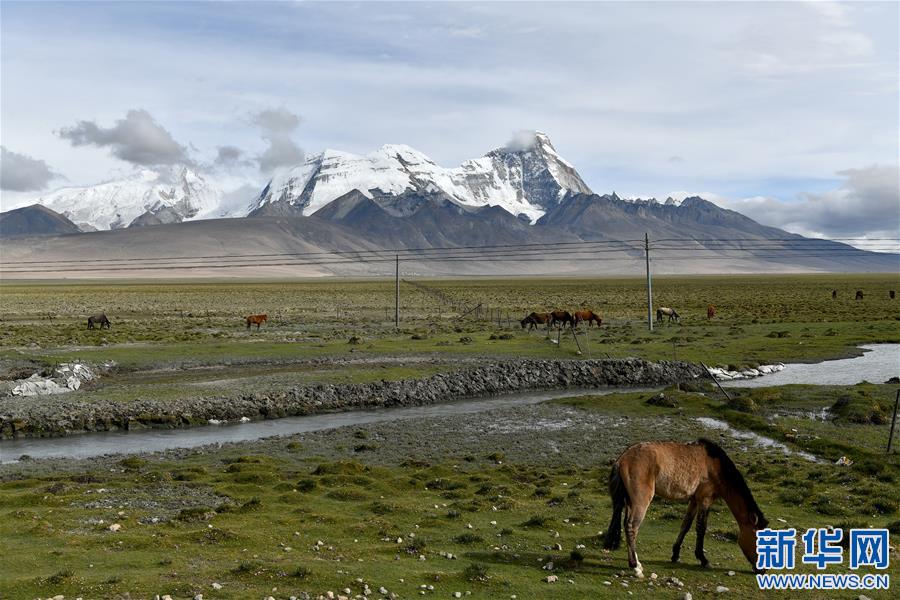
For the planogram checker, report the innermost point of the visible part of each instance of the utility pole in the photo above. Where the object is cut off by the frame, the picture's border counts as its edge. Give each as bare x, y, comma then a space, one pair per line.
649, 283
397, 293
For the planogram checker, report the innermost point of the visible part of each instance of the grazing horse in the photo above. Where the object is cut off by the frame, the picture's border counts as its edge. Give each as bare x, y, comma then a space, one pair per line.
562, 318
669, 312
710, 311
257, 320
99, 320
535, 319
892, 294
699, 472
589, 316
834, 294
859, 295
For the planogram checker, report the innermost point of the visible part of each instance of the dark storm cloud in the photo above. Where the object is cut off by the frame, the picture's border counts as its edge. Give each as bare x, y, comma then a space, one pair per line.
21, 173
137, 139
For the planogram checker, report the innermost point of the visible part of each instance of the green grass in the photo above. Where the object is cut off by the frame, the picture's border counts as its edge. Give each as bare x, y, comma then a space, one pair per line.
254, 520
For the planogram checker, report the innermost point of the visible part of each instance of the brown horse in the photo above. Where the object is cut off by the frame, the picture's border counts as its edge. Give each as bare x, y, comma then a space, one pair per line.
562, 318
257, 320
589, 316
699, 472
892, 294
711, 311
98, 320
535, 319
859, 295
834, 294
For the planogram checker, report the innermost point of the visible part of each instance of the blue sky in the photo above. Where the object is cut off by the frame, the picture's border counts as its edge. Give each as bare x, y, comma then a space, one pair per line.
775, 109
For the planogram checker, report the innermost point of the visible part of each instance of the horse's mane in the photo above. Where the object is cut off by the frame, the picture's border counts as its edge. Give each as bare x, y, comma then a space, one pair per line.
732, 477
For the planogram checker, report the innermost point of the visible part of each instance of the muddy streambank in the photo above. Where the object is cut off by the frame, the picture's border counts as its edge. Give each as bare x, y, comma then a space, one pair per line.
51, 416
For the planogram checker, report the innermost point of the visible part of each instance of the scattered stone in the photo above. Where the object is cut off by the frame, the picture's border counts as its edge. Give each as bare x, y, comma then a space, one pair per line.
731, 573
551, 578
688, 596
721, 589
217, 586
115, 527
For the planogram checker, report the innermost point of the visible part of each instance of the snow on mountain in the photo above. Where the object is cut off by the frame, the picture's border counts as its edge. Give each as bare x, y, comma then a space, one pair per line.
169, 196
527, 179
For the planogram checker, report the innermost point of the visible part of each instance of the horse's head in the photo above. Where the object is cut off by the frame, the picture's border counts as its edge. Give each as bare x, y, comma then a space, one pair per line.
747, 538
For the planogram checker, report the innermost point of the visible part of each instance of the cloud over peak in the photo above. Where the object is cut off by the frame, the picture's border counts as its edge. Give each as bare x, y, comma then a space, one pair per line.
137, 139
277, 125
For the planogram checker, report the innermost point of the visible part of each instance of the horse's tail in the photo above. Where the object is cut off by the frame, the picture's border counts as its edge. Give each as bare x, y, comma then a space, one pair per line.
619, 495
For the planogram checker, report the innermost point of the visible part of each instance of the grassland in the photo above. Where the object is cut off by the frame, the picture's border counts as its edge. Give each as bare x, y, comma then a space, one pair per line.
318, 512
250, 516
182, 325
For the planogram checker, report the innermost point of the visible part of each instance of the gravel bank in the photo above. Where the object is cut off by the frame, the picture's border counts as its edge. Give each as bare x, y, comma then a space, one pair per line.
61, 415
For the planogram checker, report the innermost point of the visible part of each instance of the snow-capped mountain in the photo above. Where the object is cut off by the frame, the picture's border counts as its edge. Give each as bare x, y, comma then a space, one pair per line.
148, 197
528, 179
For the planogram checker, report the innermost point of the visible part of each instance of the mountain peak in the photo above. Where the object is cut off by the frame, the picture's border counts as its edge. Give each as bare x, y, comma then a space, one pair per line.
180, 190
527, 176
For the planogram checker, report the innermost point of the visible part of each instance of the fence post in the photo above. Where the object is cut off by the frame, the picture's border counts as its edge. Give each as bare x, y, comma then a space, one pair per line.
893, 422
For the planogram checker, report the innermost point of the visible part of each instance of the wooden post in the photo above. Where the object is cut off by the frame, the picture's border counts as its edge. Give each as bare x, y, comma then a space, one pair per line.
577, 343
893, 422
649, 283
397, 293
716, 381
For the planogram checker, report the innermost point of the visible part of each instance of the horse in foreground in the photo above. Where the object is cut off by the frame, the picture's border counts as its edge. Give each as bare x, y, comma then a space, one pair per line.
257, 320
699, 472
98, 320
589, 316
535, 319
562, 318
668, 312
711, 312
859, 295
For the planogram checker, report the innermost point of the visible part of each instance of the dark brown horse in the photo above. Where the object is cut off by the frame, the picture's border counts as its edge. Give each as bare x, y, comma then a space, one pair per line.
589, 316
699, 472
859, 295
892, 294
711, 311
667, 312
562, 318
834, 294
535, 319
257, 320
98, 320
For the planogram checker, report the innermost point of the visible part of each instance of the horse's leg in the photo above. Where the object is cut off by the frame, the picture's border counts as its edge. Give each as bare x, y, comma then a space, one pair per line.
685, 527
638, 509
702, 514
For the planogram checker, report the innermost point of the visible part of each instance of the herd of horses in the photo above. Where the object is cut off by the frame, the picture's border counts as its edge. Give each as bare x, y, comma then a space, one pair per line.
561, 318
